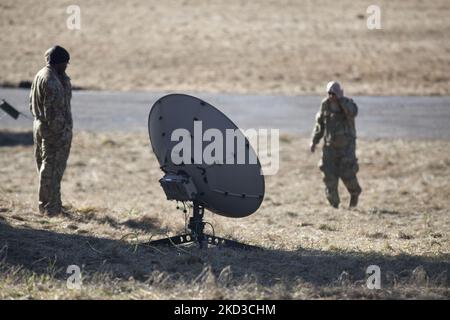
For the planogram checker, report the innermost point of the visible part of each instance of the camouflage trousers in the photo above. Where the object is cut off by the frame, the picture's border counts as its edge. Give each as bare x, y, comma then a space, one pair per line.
51, 152
339, 163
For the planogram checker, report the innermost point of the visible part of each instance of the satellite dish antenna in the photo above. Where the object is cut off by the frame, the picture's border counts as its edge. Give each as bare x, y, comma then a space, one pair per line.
216, 170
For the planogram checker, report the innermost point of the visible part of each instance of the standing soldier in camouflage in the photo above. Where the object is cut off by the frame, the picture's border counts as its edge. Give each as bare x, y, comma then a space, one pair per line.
335, 122
50, 96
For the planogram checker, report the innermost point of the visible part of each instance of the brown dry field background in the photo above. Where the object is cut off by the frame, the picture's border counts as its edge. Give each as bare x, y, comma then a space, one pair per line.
288, 47
310, 250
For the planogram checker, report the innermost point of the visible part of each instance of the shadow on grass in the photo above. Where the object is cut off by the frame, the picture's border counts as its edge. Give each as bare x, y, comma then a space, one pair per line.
11, 138
42, 252
144, 223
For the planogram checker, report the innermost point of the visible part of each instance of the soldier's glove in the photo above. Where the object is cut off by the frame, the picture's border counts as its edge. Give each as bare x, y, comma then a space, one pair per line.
312, 147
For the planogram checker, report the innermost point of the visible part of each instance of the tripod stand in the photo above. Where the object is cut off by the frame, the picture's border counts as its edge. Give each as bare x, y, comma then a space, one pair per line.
196, 227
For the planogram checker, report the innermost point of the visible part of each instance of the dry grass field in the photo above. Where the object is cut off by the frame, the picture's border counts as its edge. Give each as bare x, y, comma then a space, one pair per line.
282, 46
310, 250
111, 192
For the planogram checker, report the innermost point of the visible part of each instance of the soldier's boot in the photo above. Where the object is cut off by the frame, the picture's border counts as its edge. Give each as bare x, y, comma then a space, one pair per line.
42, 209
334, 201
49, 210
331, 190
54, 207
353, 200
44, 198
354, 189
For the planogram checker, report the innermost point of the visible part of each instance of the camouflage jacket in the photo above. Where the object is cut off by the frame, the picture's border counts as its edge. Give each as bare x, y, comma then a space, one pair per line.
336, 124
50, 100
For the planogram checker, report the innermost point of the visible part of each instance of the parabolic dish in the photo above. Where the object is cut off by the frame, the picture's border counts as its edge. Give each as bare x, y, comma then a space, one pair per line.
228, 189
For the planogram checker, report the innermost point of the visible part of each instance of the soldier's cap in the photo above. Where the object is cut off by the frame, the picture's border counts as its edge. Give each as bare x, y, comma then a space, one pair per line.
335, 87
57, 54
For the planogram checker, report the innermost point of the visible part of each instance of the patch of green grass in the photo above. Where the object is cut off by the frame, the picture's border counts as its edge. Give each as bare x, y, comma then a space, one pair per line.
327, 227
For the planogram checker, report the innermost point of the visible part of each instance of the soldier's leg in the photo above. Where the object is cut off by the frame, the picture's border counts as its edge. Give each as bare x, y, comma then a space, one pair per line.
37, 138
331, 189
62, 156
348, 169
354, 189
41, 151
330, 176
46, 176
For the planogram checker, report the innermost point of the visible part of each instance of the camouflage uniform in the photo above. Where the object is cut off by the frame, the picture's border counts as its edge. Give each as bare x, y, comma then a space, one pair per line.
338, 154
52, 130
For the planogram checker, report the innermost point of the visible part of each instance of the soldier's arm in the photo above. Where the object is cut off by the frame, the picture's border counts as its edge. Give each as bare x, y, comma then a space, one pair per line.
319, 126
52, 115
31, 98
349, 107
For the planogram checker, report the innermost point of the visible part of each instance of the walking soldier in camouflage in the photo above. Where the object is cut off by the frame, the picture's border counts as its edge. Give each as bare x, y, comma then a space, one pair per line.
50, 97
335, 122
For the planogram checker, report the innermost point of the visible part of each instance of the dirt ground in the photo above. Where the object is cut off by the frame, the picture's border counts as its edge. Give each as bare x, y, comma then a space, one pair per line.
115, 203
288, 47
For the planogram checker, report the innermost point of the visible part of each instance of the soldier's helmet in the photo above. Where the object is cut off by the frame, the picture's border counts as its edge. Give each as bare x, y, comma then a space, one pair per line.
57, 54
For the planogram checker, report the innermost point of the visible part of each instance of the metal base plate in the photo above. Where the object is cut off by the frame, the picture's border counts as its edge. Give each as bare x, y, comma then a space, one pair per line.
208, 240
